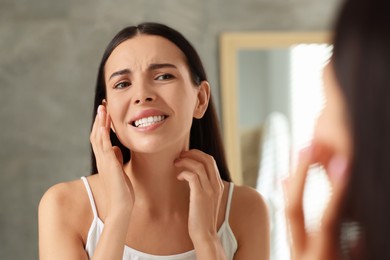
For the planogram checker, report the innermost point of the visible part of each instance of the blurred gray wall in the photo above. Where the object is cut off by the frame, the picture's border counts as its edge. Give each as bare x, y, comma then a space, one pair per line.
49, 54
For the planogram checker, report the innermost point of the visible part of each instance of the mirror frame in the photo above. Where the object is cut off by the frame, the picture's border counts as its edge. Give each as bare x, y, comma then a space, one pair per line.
230, 44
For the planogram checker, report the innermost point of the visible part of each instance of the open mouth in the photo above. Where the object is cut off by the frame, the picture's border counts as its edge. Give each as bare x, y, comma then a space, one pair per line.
147, 121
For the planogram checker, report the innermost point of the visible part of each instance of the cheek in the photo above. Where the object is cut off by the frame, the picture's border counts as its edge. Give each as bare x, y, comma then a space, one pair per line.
116, 110
183, 100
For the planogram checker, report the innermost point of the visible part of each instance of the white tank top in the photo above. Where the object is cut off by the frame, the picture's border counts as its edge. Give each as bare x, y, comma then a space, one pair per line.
225, 235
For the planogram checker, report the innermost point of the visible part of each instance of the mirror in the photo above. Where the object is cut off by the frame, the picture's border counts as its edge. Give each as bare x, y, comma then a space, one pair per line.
257, 73
271, 87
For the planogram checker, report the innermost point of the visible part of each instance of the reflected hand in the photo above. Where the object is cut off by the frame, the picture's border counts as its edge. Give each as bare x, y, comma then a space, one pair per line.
324, 244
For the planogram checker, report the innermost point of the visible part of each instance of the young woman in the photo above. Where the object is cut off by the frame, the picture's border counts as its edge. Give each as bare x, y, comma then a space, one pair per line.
161, 188
352, 142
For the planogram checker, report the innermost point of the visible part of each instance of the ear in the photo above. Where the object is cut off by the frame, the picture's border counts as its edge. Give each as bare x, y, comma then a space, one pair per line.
202, 99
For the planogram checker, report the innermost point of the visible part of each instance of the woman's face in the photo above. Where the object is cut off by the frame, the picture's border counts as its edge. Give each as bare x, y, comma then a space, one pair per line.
332, 135
150, 95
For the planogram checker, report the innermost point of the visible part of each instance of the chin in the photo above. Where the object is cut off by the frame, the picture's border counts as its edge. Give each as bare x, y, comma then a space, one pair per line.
152, 145
148, 146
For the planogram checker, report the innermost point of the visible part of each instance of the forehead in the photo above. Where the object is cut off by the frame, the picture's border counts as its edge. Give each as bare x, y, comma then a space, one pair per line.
143, 50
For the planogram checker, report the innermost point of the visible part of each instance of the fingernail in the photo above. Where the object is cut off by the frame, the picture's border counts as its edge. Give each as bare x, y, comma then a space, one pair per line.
99, 110
337, 168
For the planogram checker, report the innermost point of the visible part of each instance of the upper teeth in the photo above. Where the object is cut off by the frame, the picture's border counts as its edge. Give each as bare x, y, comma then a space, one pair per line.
146, 121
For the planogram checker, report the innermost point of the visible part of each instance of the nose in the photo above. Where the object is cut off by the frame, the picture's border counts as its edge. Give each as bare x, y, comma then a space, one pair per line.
143, 94
142, 100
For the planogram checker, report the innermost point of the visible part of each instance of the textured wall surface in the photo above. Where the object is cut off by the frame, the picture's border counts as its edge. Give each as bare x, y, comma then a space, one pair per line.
49, 54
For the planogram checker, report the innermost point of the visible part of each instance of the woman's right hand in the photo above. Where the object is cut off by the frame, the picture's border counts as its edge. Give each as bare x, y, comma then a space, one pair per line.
117, 186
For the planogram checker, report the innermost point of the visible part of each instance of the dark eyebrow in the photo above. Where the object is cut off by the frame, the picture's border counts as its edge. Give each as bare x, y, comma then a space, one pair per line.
155, 66
120, 72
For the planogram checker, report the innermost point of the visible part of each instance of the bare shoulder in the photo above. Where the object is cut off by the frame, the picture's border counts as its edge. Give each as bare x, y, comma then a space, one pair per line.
64, 218
249, 220
62, 196
247, 202
64, 205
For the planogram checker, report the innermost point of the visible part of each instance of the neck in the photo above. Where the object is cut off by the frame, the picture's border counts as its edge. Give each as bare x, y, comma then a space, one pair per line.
155, 183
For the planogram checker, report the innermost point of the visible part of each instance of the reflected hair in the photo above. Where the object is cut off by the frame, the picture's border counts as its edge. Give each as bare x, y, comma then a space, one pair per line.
361, 62
205, 133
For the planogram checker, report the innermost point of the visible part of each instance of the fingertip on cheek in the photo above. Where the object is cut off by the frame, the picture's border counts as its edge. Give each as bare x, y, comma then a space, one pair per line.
337, 168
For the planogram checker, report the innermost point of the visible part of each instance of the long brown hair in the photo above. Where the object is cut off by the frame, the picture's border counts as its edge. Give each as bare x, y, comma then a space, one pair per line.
361, 62
205, 133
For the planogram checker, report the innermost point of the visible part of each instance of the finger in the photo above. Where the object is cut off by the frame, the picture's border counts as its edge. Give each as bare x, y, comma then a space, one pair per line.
102, 116
98, 137
294, 210
109, 155
337, 170
95, 127
297, 180
210, 166
321, 152
193, 181
103, 142
285, 182
196, 168
95, 136
105, 139
107, 117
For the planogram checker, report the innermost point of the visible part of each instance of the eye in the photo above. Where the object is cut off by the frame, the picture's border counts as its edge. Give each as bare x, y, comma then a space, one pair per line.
165, 76
122, 85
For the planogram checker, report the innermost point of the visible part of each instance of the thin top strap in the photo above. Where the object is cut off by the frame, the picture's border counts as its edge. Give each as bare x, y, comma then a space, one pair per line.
229, 200
90, 196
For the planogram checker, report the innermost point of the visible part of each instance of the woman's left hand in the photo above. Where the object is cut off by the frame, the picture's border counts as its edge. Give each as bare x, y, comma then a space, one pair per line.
321, 245
201, 172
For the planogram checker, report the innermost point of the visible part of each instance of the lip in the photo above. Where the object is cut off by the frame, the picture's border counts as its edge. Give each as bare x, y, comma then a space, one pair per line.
147, 113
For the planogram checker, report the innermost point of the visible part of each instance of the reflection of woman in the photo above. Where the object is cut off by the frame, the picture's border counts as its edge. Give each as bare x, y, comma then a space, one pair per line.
352, 142
162, 188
